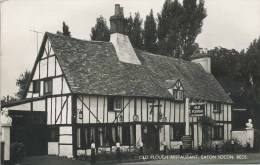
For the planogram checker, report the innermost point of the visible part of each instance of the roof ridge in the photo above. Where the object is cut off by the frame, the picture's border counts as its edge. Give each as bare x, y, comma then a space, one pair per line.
60, 35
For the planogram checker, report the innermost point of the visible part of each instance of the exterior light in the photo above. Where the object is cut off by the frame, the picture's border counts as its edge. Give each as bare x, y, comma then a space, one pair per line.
93, 146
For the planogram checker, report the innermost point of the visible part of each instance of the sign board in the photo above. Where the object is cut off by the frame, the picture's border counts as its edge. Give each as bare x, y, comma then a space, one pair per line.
187, 141
197, 110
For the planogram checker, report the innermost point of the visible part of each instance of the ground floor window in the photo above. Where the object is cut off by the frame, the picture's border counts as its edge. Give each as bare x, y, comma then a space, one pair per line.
177, 130
53, 135
218, 132
105, 136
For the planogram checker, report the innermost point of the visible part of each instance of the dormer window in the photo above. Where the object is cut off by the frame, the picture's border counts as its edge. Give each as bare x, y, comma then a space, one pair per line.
36, 86
177, 90
114, 104
48, 86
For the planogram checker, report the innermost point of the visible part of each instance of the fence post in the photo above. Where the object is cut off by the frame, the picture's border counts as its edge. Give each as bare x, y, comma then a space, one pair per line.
93, 154
118, 154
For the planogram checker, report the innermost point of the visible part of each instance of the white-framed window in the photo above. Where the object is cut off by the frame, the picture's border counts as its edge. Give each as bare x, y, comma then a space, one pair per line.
114, 103
217, 107
178, 95
117, 103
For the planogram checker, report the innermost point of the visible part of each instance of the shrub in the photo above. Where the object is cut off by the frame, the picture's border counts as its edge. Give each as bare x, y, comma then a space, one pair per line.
226, 146
256, 140
16, 152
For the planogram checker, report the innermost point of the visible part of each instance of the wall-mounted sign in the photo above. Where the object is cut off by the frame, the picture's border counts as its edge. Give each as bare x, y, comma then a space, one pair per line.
197, 110
187, 141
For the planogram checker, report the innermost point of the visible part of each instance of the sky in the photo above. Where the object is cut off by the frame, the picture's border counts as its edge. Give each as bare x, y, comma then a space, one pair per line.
231, 24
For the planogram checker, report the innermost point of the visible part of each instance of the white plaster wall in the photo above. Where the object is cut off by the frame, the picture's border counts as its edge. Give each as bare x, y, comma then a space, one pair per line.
49, 113
39, 105
21, 107
241, 136
86, 113
65, 86
58, 68
51, 66
93, 107
69, 110
138, 134
65, 130
175, 144
43, 68
57, 85
66, 150
53, 148
65, 139
36, 73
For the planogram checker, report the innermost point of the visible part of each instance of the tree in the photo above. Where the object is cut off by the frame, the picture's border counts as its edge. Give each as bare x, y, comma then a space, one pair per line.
65, 30
251, 74
135, 31
150, 33
22, 83
100, 32
178, 27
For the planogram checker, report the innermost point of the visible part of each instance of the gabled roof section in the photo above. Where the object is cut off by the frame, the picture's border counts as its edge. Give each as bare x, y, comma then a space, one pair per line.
94, 68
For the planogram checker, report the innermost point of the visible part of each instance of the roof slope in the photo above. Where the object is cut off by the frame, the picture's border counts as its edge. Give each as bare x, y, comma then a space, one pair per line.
93, 68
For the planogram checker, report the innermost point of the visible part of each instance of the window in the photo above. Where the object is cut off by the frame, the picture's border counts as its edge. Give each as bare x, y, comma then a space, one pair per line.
84, 137
53, 135
179, 95
114, 103
177, 131
217, 107
48, 86
128, 135
36, 86
218, 133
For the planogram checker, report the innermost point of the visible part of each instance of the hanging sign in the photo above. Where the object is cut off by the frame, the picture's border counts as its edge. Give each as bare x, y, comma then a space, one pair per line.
197, 110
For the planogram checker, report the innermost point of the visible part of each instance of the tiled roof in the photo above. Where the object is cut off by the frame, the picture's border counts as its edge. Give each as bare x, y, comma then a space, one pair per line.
93, 68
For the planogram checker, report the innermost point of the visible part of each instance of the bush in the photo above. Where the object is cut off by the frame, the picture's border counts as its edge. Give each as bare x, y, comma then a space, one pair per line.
226, 146
16, 152
256, 140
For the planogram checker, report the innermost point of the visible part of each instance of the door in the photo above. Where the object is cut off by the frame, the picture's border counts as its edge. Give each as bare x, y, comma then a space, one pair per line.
150, 138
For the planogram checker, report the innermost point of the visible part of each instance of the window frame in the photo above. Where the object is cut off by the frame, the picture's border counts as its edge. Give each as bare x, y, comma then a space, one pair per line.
53, 131
217, 130
49, 82
217, 107
36, 86
113, 102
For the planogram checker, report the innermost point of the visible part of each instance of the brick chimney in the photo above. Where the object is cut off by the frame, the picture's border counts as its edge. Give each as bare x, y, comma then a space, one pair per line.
124, 49
117, 21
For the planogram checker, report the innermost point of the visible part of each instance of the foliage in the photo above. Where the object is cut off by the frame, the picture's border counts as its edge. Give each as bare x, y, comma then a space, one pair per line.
22, 82
135, 31
256, 140
150, 33
16, 152
178, 27
7, 99
226, 146
65, 30
100, 32
251, 74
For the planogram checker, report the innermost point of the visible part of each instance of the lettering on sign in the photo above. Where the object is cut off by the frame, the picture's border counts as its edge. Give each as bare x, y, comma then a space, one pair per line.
187, 141
197, 110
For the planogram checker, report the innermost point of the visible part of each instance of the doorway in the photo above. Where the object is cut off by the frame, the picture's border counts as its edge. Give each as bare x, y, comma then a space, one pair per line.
150, 138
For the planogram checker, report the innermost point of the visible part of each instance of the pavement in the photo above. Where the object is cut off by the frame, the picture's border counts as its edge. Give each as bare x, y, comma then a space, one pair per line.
251, 158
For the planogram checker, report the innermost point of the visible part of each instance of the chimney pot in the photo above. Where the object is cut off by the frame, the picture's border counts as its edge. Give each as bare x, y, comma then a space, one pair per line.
122, 11
117, 9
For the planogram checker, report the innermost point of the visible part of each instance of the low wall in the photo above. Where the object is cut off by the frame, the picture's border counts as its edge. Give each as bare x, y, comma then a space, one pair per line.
244, 137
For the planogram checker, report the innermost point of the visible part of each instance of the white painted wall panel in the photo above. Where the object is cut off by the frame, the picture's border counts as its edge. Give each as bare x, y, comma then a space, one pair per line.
131, 106
29, 95
39, 105
177, 112
101, 108
65, 86
182, 110
66, 139
53, 110
57, 85
58, 69
155, 112
144, 110
167, 110
51, 66
21, 107
53, 148
93, 108
43, 68
195, 135
69, 110
111, 116
80, 106
138, 108
126, 110
85, 109
36, 73
41, 88
35, 95
172, 112
229, 113
58, 109
66, 150
49, 115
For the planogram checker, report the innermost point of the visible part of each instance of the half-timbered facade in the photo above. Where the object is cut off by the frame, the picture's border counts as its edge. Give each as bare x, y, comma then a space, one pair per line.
108, 92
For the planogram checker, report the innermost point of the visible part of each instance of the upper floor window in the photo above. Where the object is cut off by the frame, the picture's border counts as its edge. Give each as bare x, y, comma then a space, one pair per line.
178, 95
48, 86
177, 90
114, 103
217, 107
36, 86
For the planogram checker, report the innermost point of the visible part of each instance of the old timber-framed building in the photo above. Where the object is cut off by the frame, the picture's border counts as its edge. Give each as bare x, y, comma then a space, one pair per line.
83, 91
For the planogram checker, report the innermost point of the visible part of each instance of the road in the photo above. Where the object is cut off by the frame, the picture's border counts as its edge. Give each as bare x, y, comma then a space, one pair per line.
251, 158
